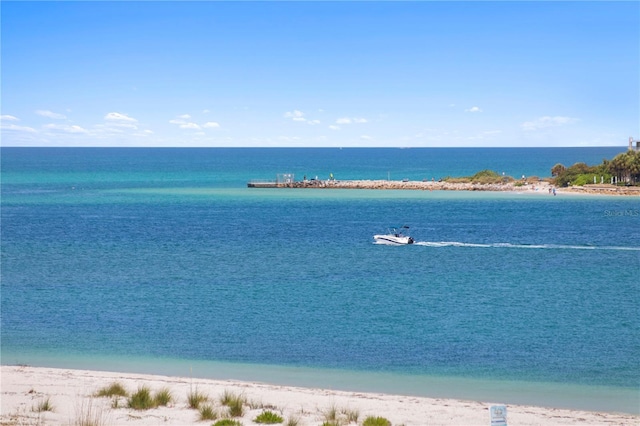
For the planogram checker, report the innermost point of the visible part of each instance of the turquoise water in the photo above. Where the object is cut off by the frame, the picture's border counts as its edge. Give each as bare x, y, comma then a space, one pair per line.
164, 258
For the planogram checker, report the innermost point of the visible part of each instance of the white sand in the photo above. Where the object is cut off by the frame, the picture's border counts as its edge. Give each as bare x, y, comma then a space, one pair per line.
70, 392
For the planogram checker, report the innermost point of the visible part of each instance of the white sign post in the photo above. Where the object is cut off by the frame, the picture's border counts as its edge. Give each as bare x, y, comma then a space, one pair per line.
498, 415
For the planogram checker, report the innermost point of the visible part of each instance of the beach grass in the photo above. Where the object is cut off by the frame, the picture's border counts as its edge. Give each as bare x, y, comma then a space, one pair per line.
115, 402
163, 397
331, 415
114, 389
141, 400
268, 417
256, 404
87, 414
195, 398
351, 415
235, 402
236, 409
44, 405
207, 412
227, 422
293, 421
376, 421
229, 397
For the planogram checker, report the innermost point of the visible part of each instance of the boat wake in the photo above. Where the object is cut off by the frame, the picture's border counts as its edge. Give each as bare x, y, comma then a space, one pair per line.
522, 246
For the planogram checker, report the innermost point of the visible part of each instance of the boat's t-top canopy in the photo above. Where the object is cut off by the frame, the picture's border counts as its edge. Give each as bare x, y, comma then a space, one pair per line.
398, 230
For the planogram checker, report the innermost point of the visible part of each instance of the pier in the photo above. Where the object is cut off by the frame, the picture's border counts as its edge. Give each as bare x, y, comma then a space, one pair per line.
282, 180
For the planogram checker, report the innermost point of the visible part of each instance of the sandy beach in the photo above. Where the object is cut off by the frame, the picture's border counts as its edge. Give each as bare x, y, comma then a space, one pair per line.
71, 394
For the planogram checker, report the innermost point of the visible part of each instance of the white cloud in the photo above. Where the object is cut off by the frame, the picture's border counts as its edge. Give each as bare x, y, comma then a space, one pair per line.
128, 126
182, 122
65, 128
116, 116
8, 118
102, 129
192, 126
473, 109
50, 114
547, 121
333, 127
295, 115
16, 128
181, 119
76, 129
349, 120
124, 125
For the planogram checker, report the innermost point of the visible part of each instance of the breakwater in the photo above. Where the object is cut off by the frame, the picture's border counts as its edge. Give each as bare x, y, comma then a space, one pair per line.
410, 185
543, 187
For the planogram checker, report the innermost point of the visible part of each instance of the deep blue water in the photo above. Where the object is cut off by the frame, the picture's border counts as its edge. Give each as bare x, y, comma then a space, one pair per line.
164, 253
233, 167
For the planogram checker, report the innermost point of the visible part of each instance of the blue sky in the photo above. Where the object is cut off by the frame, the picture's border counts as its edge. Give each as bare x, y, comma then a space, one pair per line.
315, 74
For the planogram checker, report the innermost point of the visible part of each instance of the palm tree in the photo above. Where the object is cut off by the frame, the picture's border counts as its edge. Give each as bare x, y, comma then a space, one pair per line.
617, 166
633, 165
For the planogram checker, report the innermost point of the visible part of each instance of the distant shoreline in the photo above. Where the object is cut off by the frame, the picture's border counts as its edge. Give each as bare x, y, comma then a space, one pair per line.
541, 187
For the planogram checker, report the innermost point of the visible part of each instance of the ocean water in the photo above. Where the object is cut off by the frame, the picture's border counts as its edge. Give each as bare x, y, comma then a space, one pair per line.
162, 261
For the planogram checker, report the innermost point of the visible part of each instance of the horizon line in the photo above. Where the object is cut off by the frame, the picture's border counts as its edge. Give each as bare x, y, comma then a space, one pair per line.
310, 147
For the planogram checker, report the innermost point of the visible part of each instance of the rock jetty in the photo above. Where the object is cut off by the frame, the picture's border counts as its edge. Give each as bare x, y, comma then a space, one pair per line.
542, 187
412, 185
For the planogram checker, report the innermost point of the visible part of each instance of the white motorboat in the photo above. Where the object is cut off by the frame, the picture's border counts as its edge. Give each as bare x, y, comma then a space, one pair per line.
395, 237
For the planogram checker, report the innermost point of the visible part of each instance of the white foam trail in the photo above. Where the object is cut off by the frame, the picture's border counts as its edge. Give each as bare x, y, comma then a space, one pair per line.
521, 246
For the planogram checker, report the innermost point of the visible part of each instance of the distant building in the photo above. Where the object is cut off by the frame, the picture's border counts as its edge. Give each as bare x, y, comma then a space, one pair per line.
633, 142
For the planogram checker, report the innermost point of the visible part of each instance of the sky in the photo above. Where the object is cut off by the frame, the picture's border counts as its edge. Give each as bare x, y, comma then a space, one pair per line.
320, 74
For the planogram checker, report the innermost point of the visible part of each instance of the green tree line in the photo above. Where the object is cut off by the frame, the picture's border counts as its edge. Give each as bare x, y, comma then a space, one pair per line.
624, 167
